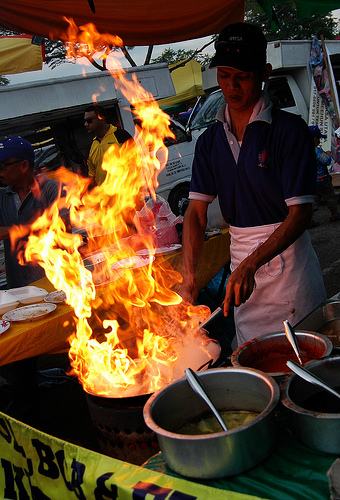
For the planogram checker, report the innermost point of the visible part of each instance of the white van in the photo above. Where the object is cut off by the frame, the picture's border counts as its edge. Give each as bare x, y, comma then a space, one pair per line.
174, 179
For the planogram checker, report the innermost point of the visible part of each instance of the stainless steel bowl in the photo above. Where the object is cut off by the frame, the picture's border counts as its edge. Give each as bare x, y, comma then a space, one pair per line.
317, 429
222, 453
324, 319
274, 350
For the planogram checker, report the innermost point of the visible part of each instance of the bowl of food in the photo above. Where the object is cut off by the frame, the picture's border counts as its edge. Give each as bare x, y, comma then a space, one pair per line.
270, 353
193, 445
315, 412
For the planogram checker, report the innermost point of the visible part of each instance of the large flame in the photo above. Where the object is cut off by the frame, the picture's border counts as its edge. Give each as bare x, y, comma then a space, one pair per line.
133, 333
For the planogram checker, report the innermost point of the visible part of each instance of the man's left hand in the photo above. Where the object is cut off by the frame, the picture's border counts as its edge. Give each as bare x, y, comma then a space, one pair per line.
240, 286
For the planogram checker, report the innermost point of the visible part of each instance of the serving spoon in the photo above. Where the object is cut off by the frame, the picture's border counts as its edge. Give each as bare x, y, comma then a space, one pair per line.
198, 387
310, 377
290, 334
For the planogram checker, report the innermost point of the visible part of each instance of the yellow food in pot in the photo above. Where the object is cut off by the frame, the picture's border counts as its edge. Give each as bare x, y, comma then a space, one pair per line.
209, 424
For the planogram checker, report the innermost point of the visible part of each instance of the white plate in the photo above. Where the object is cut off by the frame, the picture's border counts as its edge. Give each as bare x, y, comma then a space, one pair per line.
28, 294
105, 278
95, 258
4, 325
94, 230
56, 297
158, 250
109, 277
133, 262
29, 313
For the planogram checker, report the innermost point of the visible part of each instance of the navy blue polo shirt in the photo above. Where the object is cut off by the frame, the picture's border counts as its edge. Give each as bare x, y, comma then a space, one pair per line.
15, 212
276, 167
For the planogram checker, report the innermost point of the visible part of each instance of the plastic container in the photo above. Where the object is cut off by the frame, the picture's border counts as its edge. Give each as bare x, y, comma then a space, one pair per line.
28, 294
7, 301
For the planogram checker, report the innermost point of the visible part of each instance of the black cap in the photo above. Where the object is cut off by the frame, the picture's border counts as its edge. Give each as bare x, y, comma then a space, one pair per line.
241, 46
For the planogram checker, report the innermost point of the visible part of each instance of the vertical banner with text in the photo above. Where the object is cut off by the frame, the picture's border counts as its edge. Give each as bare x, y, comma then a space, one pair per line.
326, 86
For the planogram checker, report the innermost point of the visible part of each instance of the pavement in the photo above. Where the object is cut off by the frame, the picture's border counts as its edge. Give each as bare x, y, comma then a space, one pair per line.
64, 410
326, 242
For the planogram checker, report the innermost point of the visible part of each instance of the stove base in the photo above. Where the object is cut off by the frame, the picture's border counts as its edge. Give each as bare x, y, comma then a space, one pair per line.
121, 430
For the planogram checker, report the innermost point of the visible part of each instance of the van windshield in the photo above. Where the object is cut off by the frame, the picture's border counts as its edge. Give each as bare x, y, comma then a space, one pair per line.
207, 114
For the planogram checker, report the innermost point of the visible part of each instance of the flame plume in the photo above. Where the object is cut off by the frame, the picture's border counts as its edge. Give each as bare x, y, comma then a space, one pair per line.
133, 333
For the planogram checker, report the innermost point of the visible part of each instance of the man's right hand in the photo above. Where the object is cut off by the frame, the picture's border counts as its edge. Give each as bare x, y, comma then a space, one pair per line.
4, 234
188, 293
195, 221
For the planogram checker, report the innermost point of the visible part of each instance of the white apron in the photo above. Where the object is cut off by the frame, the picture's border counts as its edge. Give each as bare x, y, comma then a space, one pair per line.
288, 287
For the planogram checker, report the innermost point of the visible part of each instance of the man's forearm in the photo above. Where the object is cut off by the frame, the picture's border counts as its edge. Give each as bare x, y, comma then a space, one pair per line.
4, 232
285, 235
195, 221
192, 241
241, 281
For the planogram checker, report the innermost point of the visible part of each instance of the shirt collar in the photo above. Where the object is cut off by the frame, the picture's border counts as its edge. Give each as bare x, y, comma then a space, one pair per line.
111, 129
36, 187
262, 111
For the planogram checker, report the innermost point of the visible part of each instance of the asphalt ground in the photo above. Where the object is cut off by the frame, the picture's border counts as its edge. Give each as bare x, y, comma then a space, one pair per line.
326, 243
64, 411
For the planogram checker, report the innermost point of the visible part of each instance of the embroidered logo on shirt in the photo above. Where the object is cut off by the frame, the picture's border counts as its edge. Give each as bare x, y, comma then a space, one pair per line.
264, 158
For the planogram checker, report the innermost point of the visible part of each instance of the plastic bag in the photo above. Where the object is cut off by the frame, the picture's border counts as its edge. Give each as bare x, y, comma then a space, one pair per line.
157, 218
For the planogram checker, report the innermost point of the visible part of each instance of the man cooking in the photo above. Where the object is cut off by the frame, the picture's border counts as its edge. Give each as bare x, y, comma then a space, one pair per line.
257, 160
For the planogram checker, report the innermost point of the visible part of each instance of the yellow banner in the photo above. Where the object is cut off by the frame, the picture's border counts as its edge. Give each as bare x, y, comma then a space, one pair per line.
21, 53
37, 466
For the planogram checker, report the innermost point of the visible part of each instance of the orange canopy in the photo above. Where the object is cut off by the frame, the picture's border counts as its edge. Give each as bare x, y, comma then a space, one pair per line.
137, 22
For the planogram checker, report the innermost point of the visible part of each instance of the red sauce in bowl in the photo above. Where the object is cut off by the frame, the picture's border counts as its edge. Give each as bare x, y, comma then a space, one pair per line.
275, 362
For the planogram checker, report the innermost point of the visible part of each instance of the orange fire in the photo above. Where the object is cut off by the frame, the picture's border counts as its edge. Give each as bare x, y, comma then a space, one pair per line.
133, 332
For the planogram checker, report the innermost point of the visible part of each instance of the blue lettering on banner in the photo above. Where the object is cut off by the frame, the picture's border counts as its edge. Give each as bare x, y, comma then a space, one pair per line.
60, 456
18, 485
159, 493
47, 466
7, 432
101, 492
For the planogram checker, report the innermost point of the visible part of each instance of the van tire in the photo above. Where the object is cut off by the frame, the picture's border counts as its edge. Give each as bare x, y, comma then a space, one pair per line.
177, 194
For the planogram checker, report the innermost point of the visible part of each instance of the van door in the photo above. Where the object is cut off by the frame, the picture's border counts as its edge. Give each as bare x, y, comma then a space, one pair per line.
174, 179
285, 94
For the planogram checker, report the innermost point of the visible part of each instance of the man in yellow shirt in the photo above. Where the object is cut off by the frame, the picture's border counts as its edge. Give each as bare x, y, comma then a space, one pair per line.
105, 135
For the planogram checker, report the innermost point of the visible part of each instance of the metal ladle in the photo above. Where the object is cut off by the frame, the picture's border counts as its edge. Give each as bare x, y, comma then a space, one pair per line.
310, 377
214, 315
290, 334
197, 386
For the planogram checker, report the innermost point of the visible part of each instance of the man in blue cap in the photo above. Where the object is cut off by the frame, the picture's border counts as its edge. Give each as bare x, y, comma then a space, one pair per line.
22, 201
258, 161
324, 187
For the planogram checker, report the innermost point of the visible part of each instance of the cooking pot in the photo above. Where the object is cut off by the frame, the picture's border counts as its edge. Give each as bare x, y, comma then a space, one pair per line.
223, 453
315, 413
271, 352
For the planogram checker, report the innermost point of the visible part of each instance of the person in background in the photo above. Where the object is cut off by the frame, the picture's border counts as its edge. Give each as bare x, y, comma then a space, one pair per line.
105, 135
23, 199
258, 161
324, 187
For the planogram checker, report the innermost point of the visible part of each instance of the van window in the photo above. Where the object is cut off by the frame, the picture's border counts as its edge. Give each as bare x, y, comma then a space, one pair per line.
207, 114
279, 93
179, 132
